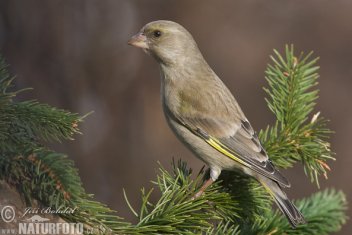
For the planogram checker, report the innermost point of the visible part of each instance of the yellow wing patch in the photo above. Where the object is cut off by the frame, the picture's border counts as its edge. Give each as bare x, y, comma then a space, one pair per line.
224, 150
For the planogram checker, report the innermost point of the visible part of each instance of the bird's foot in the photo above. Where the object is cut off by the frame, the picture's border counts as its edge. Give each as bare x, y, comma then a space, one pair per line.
197, 195
202, 189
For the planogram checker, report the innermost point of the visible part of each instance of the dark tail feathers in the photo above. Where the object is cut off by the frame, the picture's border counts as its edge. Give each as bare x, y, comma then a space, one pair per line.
293, 215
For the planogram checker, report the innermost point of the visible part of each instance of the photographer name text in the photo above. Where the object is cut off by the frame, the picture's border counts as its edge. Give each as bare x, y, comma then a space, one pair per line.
49, 210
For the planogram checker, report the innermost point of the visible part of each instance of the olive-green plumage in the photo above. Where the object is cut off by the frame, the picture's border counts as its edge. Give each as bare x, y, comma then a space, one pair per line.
203, 113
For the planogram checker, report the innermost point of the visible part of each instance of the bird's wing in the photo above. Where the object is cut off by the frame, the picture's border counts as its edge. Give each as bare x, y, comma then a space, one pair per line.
234, 138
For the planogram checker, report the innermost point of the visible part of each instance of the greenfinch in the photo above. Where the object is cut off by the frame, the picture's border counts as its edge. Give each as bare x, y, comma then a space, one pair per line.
205, 116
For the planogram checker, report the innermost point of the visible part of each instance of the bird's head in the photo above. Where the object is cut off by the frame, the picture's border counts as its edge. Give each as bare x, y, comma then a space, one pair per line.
167, 41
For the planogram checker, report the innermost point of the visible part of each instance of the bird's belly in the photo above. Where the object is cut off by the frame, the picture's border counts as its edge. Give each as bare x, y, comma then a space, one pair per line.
203, 150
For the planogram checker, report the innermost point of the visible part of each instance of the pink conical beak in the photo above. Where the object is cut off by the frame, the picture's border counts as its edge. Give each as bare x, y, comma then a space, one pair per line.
138, 40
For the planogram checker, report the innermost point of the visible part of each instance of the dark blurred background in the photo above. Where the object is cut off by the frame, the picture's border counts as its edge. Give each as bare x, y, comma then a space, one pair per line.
75, 56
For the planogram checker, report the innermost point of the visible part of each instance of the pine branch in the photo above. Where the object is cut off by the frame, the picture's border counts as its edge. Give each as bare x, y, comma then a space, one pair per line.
292, 98
37, 172
252, 198
29, 123
324, 211
26, 124
52, 179
176, 212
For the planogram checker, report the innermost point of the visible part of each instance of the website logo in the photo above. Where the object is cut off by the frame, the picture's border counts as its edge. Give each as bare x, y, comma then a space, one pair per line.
36, 221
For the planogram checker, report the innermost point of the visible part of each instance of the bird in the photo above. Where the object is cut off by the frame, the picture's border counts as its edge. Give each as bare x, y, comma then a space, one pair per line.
205, 116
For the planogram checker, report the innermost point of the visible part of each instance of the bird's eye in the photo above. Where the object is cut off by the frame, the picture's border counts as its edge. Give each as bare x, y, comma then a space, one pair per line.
157, 33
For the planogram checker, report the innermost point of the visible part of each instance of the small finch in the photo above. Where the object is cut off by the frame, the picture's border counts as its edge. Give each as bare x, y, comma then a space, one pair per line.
205, 116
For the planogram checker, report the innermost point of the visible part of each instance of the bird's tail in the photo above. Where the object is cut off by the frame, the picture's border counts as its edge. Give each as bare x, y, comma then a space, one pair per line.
293, 215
